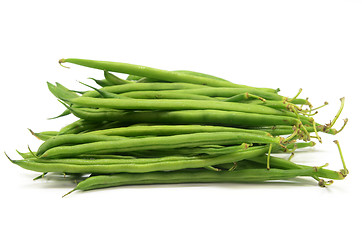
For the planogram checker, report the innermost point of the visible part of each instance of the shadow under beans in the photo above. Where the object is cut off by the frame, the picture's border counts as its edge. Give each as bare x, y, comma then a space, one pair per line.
58, 180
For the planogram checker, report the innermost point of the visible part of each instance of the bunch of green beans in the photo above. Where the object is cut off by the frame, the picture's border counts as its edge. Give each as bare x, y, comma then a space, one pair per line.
158, 126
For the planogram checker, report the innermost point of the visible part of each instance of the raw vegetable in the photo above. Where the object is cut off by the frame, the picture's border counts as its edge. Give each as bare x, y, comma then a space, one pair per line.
159, 126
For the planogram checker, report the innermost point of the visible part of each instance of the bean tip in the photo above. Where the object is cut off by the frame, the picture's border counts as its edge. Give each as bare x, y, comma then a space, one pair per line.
33, 133
7, 156
68, 193
61, 61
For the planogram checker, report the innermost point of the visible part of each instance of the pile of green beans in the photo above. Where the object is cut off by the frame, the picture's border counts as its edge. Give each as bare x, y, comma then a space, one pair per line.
157, 126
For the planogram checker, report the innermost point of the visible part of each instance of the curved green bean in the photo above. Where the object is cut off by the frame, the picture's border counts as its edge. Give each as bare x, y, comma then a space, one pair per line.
151, 72
164, 142
285, 164
140, 165
195, 176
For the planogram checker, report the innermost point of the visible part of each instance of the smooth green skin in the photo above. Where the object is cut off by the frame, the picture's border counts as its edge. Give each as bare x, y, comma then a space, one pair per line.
165, 95
193, 151
275, 104
72, 139
229, 93
133, 78
280, 163
226, 92
61, 92
45, 135
142, 165
97, 115
26, 155
158, 143
66, 90
166, 130
82, 125
64, 113
143, 79
172, 104
208, 117
169, 104
200, 74
105, 94
119, 89
114, 79
141, 156
102, 83
205, 117
72, 126
151, 72
176, 154
196, 176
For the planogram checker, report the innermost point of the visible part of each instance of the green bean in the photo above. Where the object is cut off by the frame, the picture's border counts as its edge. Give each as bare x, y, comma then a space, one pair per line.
106, 94
151, 80
164, 95
235, 152
285, 164
145, 79
104, 156
140, 165
164, 142
206, 117
222, 92
79, 126
72, 126
43, 135
66, 112
166, 130
298, 145
101, 83
61, 92
144, 87
200, 74
97, 115
114, 79
151, 72
210, 151
195, 176
172, 104
25, 155
91, 158
71, 139
133, 78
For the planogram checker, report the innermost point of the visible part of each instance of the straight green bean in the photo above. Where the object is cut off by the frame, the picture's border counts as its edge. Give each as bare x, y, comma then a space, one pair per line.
164, 142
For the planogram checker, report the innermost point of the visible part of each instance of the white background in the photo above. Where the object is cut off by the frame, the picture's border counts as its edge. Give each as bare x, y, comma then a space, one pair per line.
314, 45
